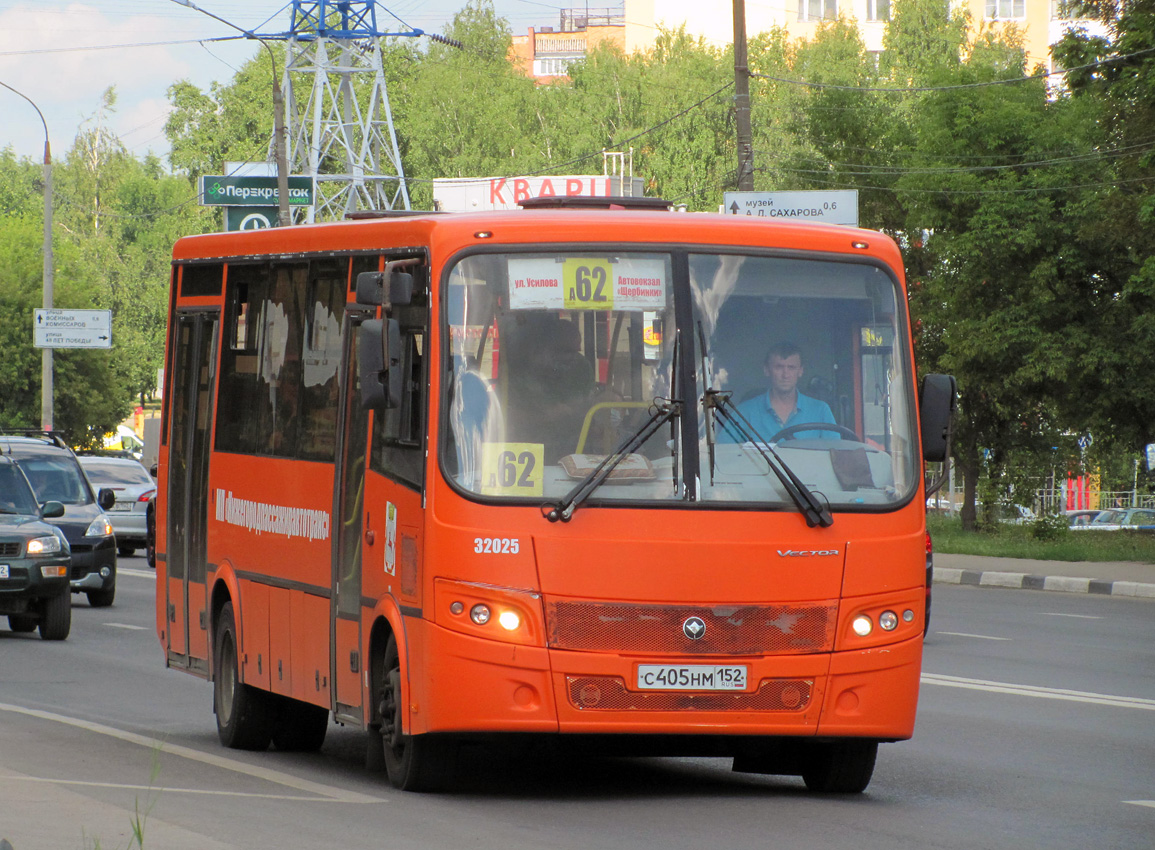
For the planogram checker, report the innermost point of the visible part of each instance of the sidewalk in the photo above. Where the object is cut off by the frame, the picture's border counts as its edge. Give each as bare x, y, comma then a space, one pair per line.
1108, 578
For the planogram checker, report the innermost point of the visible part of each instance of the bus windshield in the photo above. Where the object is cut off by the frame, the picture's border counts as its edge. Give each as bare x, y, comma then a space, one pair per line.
557, 359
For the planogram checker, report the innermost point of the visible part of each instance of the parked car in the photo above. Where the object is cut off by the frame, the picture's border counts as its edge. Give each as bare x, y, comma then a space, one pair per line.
133, 487
35, 560
55, 475
1015, 514
1081, 517
1114, 519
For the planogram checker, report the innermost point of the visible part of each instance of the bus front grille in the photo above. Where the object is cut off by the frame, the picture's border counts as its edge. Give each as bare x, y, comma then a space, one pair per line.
788, 629
609, 693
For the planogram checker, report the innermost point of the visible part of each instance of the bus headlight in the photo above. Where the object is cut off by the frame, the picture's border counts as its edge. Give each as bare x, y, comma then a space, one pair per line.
862, 625
509, 620
506, 614
888, 620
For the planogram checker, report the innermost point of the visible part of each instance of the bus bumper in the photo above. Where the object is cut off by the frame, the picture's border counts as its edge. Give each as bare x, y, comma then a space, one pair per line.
477, 685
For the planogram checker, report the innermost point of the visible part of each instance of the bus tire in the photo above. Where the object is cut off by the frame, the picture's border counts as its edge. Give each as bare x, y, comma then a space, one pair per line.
299, 726
242, 710
56, 617
840, 767
413, 762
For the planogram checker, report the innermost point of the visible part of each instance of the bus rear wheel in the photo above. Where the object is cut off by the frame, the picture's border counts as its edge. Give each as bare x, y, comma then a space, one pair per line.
299, 726
243, 717
413, 762
841, 767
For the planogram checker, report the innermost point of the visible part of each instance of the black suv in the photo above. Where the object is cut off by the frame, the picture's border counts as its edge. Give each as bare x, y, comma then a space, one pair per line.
34, 559
55, 475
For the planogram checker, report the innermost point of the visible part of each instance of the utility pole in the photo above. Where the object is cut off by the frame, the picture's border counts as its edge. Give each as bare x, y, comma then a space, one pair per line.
49, 280
742, 101
279, 150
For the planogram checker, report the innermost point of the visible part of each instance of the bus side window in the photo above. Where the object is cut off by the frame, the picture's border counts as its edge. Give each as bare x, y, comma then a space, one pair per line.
325, 306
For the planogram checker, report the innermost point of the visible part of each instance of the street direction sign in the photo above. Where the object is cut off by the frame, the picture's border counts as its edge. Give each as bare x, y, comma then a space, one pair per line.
838, 206
72, 328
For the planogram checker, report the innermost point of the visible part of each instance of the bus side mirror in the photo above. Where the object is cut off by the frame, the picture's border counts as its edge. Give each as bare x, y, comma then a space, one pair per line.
391, 288
369, 288
937, 401
379, 360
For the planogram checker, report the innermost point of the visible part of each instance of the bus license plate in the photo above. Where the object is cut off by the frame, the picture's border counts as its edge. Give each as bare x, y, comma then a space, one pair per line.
691, 677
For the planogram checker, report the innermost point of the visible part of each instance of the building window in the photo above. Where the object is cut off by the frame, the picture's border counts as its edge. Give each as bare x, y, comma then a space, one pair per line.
878, 10
1004, 10
818, 10
553, 66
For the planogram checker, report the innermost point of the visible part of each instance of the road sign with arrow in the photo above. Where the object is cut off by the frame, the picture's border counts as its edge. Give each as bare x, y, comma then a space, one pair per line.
831, 206
72, 328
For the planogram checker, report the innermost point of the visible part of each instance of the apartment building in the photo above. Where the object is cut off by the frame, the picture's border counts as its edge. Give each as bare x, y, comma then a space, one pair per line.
547, 51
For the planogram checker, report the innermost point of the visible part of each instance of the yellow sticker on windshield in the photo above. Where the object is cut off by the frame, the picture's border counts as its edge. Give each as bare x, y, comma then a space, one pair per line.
512, 469
588, 284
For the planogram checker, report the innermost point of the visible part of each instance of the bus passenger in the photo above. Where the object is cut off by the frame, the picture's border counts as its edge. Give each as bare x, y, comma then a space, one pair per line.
782, 405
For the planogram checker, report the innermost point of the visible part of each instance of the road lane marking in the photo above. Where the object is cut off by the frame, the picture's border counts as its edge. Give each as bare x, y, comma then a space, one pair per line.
330, 792
965, 634
1041, 693
125, 626
1148, 803
1073, 616
124, 571
163, 789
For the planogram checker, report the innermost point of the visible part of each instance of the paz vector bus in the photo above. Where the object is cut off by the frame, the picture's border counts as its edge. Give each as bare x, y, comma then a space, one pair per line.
459, 477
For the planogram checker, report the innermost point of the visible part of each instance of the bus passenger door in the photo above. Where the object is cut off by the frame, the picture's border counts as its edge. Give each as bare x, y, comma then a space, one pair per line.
348, 525
192, 384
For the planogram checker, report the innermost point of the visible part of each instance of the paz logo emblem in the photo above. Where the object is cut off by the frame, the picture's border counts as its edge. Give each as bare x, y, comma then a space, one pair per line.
694, 628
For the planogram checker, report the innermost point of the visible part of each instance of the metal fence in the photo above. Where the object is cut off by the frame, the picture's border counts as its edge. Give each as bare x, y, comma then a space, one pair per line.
1055, 501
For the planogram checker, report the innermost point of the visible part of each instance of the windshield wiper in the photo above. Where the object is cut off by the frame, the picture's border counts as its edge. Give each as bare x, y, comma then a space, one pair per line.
815, 511
661, 411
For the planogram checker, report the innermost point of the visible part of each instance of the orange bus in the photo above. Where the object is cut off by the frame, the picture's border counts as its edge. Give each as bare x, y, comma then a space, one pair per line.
639, 479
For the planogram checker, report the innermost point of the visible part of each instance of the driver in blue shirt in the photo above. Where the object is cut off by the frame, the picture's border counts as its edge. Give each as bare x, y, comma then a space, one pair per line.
782, 405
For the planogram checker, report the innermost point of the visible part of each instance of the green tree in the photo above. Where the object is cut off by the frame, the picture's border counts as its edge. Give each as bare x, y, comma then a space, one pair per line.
1120, 89
1003, 282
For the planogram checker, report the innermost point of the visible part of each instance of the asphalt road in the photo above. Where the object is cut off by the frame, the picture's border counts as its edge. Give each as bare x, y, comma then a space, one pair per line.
1036, 729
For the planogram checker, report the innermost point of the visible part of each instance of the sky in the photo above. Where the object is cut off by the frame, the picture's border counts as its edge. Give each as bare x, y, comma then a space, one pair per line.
63, 55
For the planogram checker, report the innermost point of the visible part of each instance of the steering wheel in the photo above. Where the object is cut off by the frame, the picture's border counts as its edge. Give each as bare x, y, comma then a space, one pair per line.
789, 431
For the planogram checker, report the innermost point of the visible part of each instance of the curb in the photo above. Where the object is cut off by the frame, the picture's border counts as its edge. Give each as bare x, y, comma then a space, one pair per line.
1027, 581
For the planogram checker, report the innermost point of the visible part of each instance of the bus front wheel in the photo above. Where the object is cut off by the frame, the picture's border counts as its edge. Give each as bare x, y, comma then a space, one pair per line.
840, 767
243, 721
413, 762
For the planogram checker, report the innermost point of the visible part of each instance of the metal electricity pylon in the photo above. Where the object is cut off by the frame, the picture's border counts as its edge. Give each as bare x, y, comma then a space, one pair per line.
339, 124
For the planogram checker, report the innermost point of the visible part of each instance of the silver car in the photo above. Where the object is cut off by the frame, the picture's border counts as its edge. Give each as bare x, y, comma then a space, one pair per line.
133, 487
